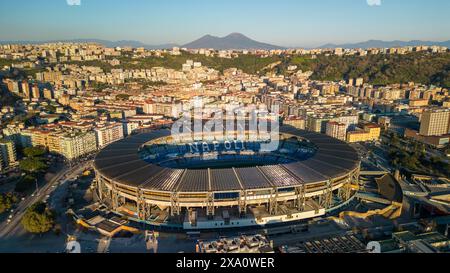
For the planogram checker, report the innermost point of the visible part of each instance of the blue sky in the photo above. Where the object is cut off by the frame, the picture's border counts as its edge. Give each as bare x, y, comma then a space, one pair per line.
282, 22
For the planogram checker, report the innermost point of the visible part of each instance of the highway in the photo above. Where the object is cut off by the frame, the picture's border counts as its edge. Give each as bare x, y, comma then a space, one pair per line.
377, 160
9, 229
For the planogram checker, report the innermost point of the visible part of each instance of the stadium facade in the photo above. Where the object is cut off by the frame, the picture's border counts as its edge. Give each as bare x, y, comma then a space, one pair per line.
208, 181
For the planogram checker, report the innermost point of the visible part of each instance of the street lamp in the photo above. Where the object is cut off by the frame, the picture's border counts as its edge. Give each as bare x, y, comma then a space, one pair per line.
37, 186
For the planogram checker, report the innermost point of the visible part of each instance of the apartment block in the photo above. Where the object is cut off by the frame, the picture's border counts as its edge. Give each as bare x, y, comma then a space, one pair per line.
370, 132
8, 156
76, 145
435, 123
107, 134
337, 130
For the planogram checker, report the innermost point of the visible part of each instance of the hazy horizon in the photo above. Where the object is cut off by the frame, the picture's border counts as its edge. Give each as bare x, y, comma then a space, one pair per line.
285, 23
178, 44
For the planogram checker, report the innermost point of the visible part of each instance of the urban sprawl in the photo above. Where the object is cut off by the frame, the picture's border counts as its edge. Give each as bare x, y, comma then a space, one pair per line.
74, 99
73, 109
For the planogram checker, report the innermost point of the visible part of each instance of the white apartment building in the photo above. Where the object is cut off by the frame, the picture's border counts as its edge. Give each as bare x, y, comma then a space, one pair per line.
78, 144
337, 130
8, 155
109, 133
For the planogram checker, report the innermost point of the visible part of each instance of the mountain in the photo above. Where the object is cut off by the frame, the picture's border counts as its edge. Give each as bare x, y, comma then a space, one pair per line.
122, 43
232, 41
387, 44
134, 44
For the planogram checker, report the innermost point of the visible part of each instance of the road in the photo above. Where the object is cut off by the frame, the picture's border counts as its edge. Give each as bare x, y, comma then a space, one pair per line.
9, 229
381, 162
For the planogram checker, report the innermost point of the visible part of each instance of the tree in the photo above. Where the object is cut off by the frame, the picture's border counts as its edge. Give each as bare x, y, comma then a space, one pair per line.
122, 97
395, 140
25, 183
32, 165
50, 108
33, 152
6, 201
38, 219
409, 161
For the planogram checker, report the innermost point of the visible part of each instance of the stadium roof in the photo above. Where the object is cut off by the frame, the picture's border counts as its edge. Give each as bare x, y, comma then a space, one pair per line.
122, 163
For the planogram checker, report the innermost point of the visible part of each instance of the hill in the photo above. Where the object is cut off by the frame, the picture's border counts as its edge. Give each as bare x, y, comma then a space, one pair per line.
387, 44
232, 41
378, 69
106, 43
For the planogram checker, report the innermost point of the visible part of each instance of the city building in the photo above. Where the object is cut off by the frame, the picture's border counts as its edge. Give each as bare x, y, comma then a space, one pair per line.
370, 132
384, 122
350, 121
435, 123
8, 156
295, 122
25, 88
108, 133
408, 242
129, 127
35, 91
436, 141
359, 81
348, 243
48, 94
166, 109
418, 102
76, 145
317, 124
243, 244
337, 130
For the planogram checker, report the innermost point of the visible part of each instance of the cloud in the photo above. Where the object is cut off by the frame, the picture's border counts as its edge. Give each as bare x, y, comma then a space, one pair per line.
73, 2
374, 3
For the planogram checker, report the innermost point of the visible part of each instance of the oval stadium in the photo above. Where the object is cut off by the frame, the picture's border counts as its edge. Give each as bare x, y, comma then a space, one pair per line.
209, 182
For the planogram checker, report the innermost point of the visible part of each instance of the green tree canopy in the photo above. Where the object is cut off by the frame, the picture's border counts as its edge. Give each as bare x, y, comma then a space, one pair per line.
380, 69
122, 97
6, 201
38, 218
25, 183
32, 165
33, 151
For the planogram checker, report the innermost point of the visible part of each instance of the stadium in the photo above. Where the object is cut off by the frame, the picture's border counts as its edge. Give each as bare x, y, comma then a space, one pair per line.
210, 182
